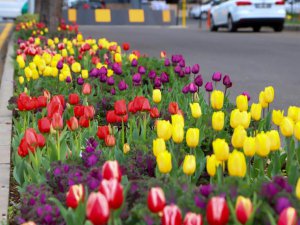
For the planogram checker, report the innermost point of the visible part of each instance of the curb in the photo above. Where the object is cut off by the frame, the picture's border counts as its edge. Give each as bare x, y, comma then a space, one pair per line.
6, 91
5, 33
292, 27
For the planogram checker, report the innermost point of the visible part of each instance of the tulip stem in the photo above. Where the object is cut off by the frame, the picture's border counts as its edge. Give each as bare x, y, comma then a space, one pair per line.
123, 133
58, 146
249, 169
289, 154
220, 175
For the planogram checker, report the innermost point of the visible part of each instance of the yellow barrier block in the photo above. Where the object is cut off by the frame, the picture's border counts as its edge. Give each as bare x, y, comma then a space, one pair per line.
5, 33
72, 15
102, 15
166, 15
136, 16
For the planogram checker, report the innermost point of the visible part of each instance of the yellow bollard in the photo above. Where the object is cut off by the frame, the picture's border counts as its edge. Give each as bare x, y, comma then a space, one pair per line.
184, 13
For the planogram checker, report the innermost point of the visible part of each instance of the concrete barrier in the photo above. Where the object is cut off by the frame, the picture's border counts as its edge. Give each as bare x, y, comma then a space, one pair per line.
120, 17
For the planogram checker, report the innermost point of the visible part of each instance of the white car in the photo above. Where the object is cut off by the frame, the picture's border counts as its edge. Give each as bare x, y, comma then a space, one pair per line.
247, 13
292, 6
10, 9
200, 11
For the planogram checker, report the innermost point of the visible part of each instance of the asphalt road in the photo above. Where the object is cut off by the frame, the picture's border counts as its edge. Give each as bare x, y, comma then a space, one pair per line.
253, 60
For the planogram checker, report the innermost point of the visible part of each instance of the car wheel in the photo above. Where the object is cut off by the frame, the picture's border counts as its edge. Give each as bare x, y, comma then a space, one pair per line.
213, 27
256, 28
231, 25
278, 28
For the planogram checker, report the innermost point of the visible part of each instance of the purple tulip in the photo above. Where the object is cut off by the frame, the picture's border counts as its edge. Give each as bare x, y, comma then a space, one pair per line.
157, 82
182, 63
93, 72
200, 202
186, 89
102, 71
141, 70
193, 88
198, 80
103, 78
281, 204
175, 58
227, 82
68, 79
247, 94
59, 64
167, 62
283, 183
110, 81
134, 63
136, 79
152, 74
209, 87
113, 91
164, 77
181, 74
269, 190
217, 76
122, 85
206, 190
80, 81
177, 69
195, 69
187, 70
117, 69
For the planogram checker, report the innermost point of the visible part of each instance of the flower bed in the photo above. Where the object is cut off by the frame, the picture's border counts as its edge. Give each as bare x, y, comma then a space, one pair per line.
106, 135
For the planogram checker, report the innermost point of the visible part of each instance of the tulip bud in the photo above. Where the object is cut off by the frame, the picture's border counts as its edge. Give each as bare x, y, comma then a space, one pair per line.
211, 165
159, 146
256, 111
192, 137
218, 120
262, 145
193, 219
297, 189
235, 118
75, 195
217, 99
177, 133
156, 95
287, 127
76, 67
217, 76
288, 217
196, 110
156, 200
238, 137
277, 117
111, 170
72, 123
120, 107
73, 99
217, 211
164, 129
57, 121
189, 164
262, 100
237, 164
243, 209
110, 140
126, 148
269, 94
221, 149
171, 216
164, 162
242, 102
246, 119
44, 125
209, 87
274, 140
86, 89
227, 82
294, 113
177, 120
97, 209
249, 146
113, 191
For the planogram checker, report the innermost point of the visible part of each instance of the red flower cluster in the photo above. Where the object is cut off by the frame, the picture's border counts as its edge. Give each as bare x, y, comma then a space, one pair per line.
30, 142
27, 103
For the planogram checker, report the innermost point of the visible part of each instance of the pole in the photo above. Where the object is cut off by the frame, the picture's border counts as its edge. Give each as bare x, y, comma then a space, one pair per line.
184, 13
31, 6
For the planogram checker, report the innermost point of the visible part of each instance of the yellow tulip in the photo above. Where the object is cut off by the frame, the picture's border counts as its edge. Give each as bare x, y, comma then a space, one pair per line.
110, 72
277, 117
237, 164
196, 110
164, 129
269, 94
64, 53
217, 99
159, 146
246, 119
256, 111
221, 149
189, 164
118, 58
84, 74
126, 148
54, 71
211, 165
249, 146
177, 120
242, 102
156, 95
297, 131
177, 133
47, 71
35, 74
164, 162
236, 118
287, 127
76, 67
238, 137
79, 37
262, 100
192, 137
274, 140
218, 120
294, 113
297, 189
61, 77
262, 145
28, 72
32, 66
21, 79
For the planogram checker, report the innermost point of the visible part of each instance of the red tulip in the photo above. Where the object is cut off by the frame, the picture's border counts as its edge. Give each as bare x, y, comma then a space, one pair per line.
31, 137
44, 125
72, 123
89, 111
61, 99
217, 212
42, 101
171, 215
112, 117
131, 107
154, 113
173, 108
79, 110
193, 219
110, 140
126, 46
75, 195
54, 106
74, 99
97, 209
57, 121
113, 191
24, 148
140, 103
120, 107
22, 101
156, 200
86, 89
41, 141
110, 170
243, 209
84, 121
288, 217
102, 132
